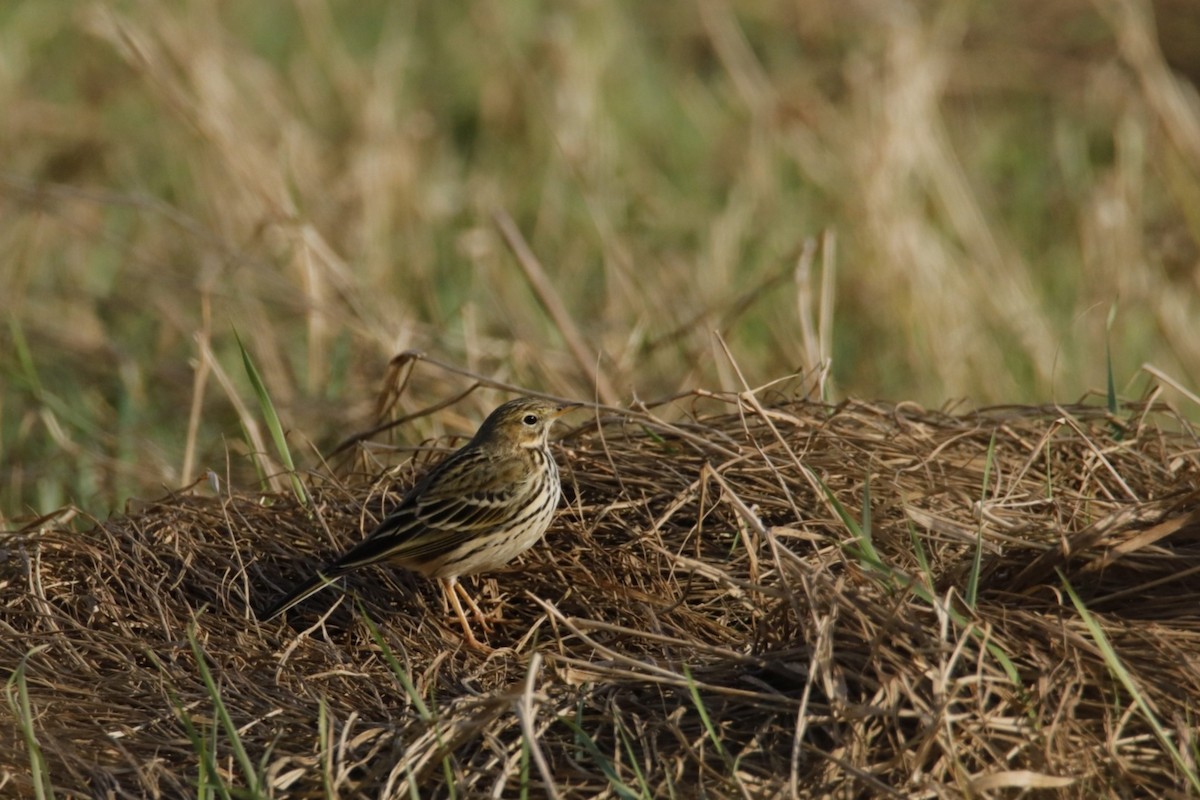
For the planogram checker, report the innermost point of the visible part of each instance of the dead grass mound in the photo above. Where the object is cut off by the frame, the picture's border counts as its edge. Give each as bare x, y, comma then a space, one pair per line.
701, 618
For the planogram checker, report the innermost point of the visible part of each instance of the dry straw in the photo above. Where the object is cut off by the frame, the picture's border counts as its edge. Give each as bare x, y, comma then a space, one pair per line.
713, 610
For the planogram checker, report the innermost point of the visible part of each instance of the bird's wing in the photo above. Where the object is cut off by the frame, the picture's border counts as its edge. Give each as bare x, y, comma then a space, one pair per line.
458, 500
474, 494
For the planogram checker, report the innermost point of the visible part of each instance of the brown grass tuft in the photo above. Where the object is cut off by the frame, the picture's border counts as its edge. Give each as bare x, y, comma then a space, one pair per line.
698, 571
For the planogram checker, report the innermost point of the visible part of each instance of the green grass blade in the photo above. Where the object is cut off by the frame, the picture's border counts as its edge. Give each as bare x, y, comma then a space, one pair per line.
272, 420
28, 372
713, 735
28, 377
864, 549
1111, 383
324, 753
405, 678
208, 779
864, 546
972, 594
868, 539
895, 578
17, 690
235, 741
1117, 668
581, 737
919, 552
631, 754
211, 748
1118, 433
204, 754
653, 434
524, 774
402, 675
1010, 669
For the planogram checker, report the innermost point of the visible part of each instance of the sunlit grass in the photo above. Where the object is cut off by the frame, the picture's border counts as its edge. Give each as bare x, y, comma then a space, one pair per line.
326, 180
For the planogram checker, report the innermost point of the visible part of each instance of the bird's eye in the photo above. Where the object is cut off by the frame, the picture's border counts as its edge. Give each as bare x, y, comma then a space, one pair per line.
530, 419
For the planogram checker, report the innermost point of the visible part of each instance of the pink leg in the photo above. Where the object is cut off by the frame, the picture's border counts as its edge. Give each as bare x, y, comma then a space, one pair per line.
451, 589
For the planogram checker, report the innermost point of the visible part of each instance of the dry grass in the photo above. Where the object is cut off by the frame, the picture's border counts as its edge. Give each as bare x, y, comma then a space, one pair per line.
326, 176
699, 619
913, 201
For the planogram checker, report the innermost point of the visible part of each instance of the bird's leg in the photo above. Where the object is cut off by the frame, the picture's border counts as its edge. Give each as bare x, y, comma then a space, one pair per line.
445, 583
451, 589
480, 617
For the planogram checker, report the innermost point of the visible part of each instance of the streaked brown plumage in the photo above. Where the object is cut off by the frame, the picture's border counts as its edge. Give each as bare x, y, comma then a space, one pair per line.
474, 511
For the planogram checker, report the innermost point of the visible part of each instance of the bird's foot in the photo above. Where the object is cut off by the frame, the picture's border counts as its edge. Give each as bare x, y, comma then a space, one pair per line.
480, 647
483, 619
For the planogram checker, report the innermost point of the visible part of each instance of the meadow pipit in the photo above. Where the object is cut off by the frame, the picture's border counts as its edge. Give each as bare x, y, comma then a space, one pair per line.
474, 511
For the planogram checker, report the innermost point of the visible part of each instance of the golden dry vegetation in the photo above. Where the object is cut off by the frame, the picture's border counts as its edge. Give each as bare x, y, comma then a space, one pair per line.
717, 221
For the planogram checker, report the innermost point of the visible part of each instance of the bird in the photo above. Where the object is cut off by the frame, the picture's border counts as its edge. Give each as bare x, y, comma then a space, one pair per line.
476, 510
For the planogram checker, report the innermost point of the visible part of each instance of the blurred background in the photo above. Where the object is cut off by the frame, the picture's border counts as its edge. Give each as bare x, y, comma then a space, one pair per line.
952, 203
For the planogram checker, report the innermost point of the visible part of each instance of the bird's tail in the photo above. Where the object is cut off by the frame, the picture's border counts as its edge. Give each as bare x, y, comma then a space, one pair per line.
302, 592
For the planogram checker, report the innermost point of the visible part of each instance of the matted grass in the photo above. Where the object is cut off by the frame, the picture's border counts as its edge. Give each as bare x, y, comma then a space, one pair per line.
701, 618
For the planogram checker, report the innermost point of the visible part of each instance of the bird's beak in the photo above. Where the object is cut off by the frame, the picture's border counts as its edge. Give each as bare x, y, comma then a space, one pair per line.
564, 408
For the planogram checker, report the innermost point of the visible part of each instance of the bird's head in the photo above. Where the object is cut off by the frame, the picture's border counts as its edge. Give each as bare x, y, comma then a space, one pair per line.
524, 422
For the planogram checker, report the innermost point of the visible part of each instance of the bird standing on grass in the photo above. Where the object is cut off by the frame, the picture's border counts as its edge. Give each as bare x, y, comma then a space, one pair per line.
474, 511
